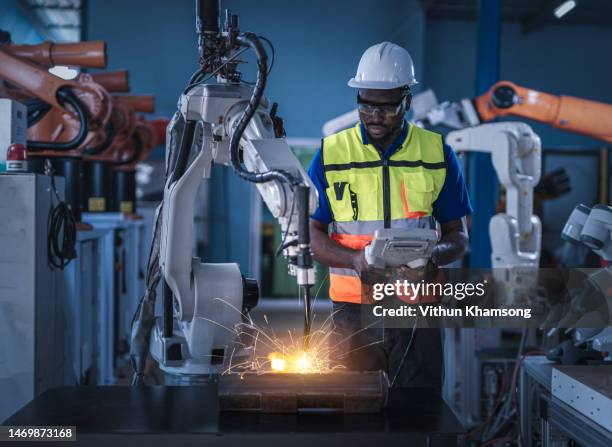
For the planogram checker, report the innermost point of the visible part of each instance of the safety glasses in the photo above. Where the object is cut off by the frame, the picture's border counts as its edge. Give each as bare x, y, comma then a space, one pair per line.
386, 110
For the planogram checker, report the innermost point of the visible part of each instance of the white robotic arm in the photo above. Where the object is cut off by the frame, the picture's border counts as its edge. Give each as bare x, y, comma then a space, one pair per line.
516, 154
225, 123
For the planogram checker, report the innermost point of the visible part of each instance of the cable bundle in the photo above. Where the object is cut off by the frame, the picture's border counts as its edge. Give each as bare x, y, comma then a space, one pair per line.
61, 233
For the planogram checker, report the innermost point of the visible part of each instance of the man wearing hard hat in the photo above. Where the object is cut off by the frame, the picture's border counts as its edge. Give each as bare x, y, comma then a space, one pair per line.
385, 173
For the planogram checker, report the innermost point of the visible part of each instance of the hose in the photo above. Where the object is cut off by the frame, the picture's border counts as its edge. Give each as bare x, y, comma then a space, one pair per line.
138, 146
37, 109
109, 130
252, 41
66, 96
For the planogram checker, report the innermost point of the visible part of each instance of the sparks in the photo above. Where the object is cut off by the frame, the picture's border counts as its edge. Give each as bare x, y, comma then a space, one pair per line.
270, 354
277, 361
303, 362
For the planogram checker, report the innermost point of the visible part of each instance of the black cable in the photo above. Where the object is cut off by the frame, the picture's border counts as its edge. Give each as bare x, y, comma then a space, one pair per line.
61, 232
265, 39
109, 131
66, 96
196, 76
271, 63
37, 109
283, 244
251, 40
138, 147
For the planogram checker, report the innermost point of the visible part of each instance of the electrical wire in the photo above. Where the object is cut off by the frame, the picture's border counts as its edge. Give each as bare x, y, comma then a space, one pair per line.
198, 73
61, 232
109, 131
498, 401
504, 414
282, 246
37, 109
265, 39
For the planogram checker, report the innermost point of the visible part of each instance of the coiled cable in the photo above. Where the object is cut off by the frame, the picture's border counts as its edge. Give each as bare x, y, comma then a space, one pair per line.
61, 230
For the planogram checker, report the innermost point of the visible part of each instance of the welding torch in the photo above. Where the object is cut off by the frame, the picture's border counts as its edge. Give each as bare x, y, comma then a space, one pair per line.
304, 265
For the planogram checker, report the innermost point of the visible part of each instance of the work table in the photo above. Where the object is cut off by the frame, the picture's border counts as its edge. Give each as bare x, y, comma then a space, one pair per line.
117, 416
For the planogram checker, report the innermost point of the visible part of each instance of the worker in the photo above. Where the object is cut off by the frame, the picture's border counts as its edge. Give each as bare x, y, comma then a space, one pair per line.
384, 173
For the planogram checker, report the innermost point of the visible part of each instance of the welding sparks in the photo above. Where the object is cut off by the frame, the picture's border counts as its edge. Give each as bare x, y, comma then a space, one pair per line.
296, 363
268, 353
277, 362
303, 362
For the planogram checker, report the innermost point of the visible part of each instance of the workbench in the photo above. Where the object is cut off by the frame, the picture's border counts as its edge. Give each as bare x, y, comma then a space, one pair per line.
557, 419
168, 416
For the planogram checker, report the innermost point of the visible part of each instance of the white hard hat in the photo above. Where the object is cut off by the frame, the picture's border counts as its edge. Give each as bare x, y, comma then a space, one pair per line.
384, 66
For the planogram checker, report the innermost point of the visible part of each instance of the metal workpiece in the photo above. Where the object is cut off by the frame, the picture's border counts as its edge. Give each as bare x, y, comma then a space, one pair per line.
343, 392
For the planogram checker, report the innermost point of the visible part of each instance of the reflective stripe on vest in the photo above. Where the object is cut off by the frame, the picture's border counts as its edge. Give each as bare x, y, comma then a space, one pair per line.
367, 192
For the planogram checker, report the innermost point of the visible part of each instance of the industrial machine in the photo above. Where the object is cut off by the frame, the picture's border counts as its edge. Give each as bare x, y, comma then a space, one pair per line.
13, 127
32, 322
225, 123
582, 381
590, 311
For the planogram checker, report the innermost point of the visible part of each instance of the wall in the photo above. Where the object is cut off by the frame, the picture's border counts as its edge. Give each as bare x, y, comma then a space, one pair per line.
318, 45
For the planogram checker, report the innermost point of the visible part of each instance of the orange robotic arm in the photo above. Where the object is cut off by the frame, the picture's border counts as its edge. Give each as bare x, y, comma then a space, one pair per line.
74, 113
113, 81
123, 123
147, 136
141, 141
590, 118
79, 54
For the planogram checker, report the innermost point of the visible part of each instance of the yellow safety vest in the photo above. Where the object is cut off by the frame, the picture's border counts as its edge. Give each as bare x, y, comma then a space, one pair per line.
367, 193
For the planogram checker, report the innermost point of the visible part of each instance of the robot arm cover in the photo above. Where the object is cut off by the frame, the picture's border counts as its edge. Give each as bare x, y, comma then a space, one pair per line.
590, 118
